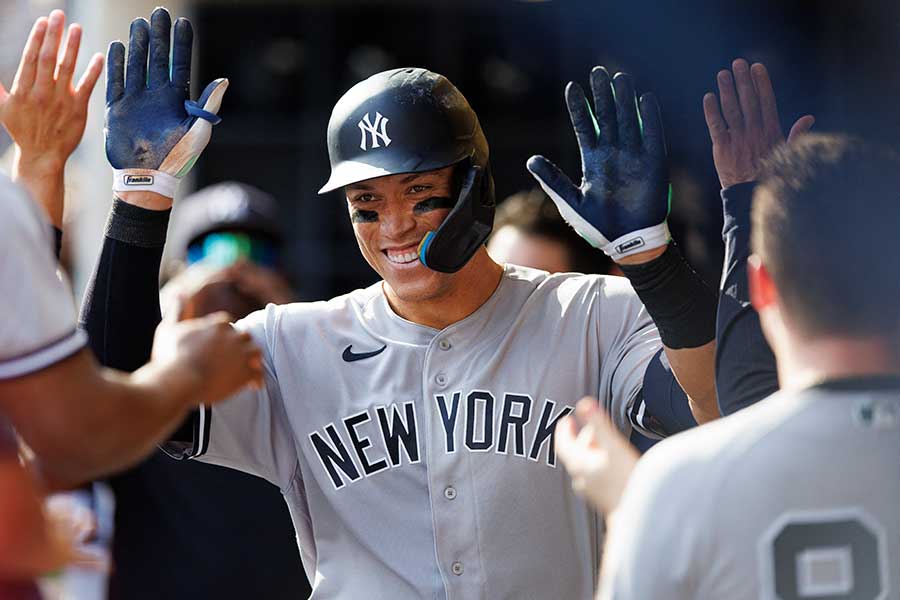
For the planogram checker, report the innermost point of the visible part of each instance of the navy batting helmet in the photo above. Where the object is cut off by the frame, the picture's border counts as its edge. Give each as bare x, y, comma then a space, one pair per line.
410, 121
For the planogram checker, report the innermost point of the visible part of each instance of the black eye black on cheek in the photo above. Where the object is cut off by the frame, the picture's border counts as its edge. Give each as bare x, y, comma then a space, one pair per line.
433, 203
363, 216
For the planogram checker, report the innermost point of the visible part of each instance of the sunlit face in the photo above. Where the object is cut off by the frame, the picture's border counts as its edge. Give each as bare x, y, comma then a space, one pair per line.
391, 216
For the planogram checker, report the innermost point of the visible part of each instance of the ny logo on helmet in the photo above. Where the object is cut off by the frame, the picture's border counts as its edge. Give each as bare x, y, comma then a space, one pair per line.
365, 125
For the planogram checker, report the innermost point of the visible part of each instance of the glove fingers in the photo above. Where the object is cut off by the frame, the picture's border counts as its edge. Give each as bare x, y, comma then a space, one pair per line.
626, 113
160, 30
181, 54
654, 135
211, 98
115, 72
582, 119
139, 39
605, 106
553, 180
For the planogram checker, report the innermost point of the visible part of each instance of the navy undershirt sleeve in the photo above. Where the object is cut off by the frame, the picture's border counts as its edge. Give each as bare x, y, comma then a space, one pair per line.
121, 304
120, 311
745, 365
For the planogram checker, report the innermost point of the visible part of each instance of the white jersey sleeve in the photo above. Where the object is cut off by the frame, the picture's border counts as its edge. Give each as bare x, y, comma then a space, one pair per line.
629, 340
38, 328
249, 431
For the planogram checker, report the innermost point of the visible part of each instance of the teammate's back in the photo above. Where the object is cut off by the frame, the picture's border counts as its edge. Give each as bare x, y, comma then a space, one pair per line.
794, 498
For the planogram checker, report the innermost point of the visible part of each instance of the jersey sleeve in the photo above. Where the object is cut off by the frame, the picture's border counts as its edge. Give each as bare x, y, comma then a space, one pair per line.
745, 365
249, 431
39, 327
655, 540
628, 342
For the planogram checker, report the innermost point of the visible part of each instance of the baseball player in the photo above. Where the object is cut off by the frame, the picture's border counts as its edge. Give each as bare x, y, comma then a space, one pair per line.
51, 389
410, 424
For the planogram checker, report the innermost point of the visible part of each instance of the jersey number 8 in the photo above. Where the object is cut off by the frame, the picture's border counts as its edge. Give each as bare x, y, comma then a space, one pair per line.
835, 557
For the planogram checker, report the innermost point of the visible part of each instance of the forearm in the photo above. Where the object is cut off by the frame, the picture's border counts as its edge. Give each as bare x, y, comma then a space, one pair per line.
684, 310
114, 420
694, 368
745, 365
121, 306
44, 178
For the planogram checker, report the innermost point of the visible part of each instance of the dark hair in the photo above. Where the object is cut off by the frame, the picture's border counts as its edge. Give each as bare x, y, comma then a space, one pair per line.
533, 213
826, 221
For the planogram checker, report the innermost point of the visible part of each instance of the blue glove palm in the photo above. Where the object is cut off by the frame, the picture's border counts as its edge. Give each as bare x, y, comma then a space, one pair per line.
622, 203
154, 132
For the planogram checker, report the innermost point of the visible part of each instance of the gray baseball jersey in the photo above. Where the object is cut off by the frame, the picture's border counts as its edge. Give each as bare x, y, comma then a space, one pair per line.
797, 497
419, 463
38, 326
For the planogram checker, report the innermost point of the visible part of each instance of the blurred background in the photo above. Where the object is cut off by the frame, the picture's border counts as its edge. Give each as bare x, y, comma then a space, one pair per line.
289, 61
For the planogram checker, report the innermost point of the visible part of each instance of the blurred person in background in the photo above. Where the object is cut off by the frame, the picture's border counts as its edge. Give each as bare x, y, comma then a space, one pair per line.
529, 231
225, 254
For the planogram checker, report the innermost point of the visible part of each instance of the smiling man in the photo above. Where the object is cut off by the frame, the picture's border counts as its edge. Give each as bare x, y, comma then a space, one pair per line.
410, 424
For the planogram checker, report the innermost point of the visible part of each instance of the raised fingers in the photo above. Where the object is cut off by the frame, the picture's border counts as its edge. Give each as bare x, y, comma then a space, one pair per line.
46, 66
66, 66
138, 42
747, 96
604, 106
160, 30
115, 71
89, 79
718, 130
731, 108
767, 104
582, 119
653, 133
28, 65
183, 40
626, 112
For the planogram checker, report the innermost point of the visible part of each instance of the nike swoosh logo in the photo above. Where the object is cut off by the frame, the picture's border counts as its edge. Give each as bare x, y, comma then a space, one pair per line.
351, 356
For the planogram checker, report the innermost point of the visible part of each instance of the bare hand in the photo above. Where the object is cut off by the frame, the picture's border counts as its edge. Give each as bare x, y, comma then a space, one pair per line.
217, 358
598, 458
43, 112
750, 127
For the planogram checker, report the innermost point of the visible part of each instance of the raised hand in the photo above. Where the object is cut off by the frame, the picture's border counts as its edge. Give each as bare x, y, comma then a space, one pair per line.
622, 203
154, 132
44, 113
598, 458
747, 127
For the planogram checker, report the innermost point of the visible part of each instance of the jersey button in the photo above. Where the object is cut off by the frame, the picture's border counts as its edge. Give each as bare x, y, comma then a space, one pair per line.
457, 568
440, 379
444, 344
450, 492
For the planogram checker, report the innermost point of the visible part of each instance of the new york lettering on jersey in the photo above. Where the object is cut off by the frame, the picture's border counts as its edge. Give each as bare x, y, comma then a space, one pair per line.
378, 430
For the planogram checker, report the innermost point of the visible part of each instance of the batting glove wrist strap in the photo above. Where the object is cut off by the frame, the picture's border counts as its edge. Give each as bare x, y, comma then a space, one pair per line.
144, 180
627, 244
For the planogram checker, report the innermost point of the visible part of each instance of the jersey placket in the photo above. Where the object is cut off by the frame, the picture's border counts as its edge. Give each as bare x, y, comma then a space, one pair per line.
454, 504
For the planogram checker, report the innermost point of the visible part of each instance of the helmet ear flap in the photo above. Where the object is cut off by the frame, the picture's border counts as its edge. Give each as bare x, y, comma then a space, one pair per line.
467, 226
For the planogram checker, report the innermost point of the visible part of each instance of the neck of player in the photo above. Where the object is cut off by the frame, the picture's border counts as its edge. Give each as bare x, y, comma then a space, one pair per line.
466, 291
803, 362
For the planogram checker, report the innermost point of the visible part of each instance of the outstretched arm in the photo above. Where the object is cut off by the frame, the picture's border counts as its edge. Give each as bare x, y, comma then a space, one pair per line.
743, 133
622, 206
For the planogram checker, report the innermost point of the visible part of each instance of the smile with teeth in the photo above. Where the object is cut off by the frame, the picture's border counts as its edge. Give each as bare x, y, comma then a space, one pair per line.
403, 256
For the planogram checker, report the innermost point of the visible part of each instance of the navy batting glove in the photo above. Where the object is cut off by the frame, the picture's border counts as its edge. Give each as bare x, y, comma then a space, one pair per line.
154, 132
622, 203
